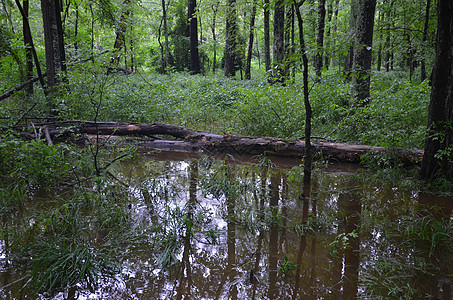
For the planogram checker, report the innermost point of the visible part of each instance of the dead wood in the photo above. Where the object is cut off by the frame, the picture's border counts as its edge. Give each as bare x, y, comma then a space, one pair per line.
180, 139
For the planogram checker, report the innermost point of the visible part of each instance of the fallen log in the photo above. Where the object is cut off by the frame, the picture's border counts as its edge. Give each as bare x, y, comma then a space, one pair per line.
196, 141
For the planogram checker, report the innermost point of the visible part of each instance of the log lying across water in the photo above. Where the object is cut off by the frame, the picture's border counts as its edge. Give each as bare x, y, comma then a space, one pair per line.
196, 141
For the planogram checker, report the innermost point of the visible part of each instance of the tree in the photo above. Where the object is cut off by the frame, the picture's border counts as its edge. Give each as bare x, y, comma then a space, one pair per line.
320, 38
308, 110
121, 29
27, 42
351, 33
53, 39
267, 41
425, 37
166, 58
278, 44
193, 35
438, 156
362, 50
215, 8
251, 36
231, 39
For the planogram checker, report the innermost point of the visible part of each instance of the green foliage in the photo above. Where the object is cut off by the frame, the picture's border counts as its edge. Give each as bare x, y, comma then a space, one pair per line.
38, 165
428, 233
341, 242
287, 266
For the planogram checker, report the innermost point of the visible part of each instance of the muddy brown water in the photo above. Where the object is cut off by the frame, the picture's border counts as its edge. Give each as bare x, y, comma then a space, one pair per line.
235, 228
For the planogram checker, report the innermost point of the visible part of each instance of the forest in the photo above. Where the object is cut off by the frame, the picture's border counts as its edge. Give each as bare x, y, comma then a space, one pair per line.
260, 149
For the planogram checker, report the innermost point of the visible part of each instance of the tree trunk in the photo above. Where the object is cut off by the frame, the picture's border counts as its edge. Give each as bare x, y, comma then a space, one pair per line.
289, 39
215, 8
196, 141
231, 39
250, 48
320, 38
425, 37
362, 51
167, 49
334, 29
267, 40
352, 31
438, 158
278, 44
28, 47
193, 35
329, 21
32, 48
308, 146
120, 39
53, 39
388, 53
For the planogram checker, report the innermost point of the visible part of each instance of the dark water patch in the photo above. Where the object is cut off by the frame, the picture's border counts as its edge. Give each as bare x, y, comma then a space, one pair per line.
244, 228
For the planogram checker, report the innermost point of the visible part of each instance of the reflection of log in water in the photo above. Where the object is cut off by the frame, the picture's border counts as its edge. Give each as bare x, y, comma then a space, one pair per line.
349, 204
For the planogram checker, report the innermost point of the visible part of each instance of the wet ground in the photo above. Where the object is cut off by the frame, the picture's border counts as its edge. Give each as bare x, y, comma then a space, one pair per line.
247, 228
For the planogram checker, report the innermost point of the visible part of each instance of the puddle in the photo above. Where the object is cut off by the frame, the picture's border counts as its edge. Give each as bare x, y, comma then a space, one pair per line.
231, 229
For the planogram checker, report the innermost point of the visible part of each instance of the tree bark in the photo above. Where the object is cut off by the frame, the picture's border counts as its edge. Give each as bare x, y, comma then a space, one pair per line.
362, 51
438, 158
248, 65
308, 111
231, 39
320, 38
53, 39
425, 37
351, 37
267, 41
215, 8
167, 49
28, 48
120, 39
278, 43
33, 50
195, 141
193, 36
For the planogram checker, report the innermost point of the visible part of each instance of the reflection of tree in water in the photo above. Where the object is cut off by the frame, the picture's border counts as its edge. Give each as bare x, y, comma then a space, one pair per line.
184, 288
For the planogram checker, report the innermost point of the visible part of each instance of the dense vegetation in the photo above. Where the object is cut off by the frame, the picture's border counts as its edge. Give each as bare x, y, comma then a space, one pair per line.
131, 61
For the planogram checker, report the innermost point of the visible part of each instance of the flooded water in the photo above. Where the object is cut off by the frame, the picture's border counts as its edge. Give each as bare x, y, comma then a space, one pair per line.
203, 228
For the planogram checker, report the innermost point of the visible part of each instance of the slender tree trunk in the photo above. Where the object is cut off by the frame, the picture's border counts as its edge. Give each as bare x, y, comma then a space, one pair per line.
231, 39
388, 53
76, 30
438, 156
329, 21
250, 48
334, 29
28, 47
32, 47
289, 20
278, 44
362, 53
379, 53
215, 8
267, 40
425, 37
320, 38
352, 26
308, 110
167, 50
193, 36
